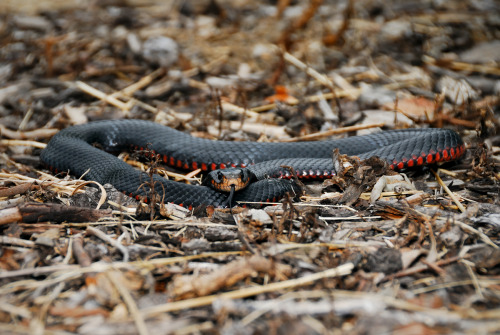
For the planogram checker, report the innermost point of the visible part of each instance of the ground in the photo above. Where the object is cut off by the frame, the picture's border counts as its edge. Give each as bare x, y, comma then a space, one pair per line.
347, 257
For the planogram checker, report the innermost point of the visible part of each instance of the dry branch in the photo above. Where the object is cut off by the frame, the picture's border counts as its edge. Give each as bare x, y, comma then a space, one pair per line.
26, 135
35, 212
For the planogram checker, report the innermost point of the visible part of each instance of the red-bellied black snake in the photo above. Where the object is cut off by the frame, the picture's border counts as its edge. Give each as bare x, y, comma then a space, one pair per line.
72, 150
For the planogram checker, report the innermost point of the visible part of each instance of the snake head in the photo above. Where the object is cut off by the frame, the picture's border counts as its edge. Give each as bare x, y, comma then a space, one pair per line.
227, 179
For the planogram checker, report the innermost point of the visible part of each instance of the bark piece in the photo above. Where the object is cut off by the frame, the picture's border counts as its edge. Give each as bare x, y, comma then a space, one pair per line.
35, 212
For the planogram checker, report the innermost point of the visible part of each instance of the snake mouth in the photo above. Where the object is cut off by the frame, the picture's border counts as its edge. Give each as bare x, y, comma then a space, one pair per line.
228, 183
229, 180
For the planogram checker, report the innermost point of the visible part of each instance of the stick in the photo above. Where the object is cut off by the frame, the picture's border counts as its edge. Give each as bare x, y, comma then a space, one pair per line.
450, 193
331, 132
23, 135
102, 96
341, 270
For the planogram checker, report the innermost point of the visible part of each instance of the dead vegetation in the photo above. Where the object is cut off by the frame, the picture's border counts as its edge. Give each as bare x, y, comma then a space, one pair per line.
367, 252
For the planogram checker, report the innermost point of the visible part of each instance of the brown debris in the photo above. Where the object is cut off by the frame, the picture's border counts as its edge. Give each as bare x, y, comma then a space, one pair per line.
299, 23
349, 256
24, 135
34, 212
355, 177
19, 189
195, 286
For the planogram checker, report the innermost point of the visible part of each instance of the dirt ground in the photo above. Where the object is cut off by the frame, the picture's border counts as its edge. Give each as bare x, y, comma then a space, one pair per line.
348, 257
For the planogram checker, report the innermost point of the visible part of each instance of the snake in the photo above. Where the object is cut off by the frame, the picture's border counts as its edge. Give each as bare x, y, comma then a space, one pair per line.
88, 151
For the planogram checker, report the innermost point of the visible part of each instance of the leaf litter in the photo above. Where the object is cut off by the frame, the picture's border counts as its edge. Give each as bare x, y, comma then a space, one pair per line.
420, 257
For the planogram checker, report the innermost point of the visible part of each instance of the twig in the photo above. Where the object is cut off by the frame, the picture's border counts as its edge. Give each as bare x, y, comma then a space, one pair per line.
103, 196
242, 235
338, 38
200, 328
101, 267
23, 135
465, 282
116, 278
79, 253
341, 270
141, 83
227, 106
331, 132
18, 189
33, 212
481, 235
461, 66
189, 177
312, 98
12, 202
24, 143
300, 22
419, 268
127, 92
54, 293
16, 241
98, 233
103, 96
15, 310
19, 329
10, 215
323, 79
450, 193
475, 281
58, 185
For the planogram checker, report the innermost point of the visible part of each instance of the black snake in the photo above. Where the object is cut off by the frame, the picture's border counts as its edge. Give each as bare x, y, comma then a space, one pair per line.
73, 150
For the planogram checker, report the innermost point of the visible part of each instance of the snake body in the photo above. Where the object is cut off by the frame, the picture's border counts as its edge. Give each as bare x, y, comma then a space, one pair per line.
73, 150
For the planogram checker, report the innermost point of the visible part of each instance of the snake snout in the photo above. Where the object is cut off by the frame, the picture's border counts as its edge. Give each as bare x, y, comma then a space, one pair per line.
229, 179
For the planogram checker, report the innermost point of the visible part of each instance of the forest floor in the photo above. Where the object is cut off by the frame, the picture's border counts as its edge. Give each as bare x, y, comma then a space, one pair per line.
347, 257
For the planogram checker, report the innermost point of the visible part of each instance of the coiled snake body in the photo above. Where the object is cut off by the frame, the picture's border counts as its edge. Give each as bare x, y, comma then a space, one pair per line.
72, 150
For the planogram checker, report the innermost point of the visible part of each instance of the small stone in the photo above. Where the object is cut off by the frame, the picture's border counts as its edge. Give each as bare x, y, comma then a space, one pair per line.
221, 83
259, 215
161, 50
32, 22
134, 43
396, 30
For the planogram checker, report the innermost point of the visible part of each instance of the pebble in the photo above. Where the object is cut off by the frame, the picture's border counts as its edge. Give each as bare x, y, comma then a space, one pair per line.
220, 82
161, 50
32, 22
259, 215
396, 30
134, 43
